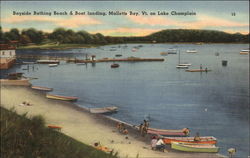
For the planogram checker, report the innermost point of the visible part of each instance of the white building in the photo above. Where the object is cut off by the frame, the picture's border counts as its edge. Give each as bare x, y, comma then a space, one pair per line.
7, 51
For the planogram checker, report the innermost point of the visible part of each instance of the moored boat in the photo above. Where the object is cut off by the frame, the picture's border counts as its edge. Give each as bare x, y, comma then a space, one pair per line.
48, 61
182, 66
191, 147
244, 51
166, 132
203, 140
104, 110
192, 51
41, 88
53, 65
164, 53
114, 65
58, 97
198, 70
118, 55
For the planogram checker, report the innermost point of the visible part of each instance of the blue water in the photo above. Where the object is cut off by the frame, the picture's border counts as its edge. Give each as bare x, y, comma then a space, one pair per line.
214, 103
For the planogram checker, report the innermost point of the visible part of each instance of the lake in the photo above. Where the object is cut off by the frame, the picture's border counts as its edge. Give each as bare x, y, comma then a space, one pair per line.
215, 103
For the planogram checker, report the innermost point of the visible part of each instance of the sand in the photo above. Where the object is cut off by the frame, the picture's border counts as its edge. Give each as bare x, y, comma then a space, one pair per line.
83, 126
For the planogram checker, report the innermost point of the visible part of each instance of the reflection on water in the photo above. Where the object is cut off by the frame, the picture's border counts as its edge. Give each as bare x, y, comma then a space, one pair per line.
214, 103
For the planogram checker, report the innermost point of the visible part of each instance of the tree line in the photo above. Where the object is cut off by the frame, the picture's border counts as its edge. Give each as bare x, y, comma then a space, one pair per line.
68, 36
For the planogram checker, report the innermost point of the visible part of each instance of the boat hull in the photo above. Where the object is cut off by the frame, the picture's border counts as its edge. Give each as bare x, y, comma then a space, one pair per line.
64, 98
169, 133
42, 88
204, 140
104, 110
203, 148
198, 70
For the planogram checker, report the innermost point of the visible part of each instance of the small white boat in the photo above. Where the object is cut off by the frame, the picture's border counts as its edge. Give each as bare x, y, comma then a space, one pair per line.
53, 65
104, 110
192, 51
182, 66
185, 64
48, 61
244, 51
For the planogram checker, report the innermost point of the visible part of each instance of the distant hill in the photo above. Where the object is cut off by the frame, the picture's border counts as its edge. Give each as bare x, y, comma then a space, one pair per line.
183, 35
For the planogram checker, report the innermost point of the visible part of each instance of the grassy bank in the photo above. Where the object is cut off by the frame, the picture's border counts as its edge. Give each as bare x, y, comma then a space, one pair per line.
29, 138
55, 46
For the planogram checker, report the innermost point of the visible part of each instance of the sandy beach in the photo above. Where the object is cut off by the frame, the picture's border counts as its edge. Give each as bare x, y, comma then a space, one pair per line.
83, 126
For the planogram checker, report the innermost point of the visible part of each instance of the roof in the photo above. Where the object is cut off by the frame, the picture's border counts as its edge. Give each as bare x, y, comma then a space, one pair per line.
6, 47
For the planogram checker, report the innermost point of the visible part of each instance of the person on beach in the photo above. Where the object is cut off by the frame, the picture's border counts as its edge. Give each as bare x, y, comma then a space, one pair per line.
122, 127
141, 128
197, 137
186, 131
206, 69
153, 143
118, 126
144, 130
200, 66
160, 145
125, 131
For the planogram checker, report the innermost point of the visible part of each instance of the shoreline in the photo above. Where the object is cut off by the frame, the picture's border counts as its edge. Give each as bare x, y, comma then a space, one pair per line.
83, 126
78, 46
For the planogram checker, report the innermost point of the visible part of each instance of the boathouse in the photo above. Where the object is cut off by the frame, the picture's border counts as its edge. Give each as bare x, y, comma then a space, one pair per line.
7, 56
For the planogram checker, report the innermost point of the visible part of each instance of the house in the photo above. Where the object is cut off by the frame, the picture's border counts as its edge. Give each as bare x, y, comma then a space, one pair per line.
7, 56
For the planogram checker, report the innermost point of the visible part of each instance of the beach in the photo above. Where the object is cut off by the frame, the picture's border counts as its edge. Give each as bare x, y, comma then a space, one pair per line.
88, 128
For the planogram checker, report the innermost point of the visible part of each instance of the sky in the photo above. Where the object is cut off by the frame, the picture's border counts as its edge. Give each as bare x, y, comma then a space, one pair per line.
227, 16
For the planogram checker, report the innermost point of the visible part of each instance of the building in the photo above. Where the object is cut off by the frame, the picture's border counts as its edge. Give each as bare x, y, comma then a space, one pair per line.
7, 56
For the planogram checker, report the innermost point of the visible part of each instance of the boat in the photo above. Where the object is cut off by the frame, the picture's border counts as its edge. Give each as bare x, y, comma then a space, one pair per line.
41, 88
118, 55
185, 64
58, 97
48, 61
203, 140
134, 49
53, 65
244, 51
166, 132
192, 51
172, 51
55, 127
104, 110
28, 62
191, 147
115, 65
198, 70
164, 53
181, 66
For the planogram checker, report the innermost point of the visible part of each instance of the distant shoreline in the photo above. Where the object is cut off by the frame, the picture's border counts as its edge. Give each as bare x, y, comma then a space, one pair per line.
76, 46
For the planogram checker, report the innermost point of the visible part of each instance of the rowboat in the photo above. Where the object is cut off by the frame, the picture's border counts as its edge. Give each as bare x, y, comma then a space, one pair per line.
203, 140
191, 147
104, 110
168, 132
191, 51
114, 65
181, 66
164, 53
198, 70
58, 97
244, 51
48, 61
53, 65
55, 127
41, 88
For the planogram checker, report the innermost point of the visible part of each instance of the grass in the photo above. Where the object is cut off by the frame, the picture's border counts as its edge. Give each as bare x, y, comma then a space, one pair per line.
23, 137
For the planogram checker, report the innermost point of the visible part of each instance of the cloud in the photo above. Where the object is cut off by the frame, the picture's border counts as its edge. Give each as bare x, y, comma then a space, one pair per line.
72, 22
126, 32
